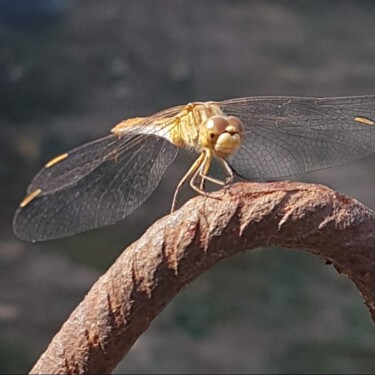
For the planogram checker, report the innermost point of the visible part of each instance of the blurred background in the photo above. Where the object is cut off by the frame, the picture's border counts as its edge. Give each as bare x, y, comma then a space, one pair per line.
71, 70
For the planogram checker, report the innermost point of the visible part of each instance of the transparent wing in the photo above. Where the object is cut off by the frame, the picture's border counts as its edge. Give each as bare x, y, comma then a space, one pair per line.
98, 184
286, 136
82, 160
79, 163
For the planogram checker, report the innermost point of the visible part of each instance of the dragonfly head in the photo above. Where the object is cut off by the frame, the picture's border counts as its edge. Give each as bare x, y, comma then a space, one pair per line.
223, 135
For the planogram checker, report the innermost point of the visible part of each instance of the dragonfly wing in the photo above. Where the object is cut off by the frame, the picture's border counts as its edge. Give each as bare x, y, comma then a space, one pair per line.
111, 188
75, 165
69, 168
286, 136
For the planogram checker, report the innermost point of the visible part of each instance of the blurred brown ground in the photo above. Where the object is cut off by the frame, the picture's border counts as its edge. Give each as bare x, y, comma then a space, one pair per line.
70, 78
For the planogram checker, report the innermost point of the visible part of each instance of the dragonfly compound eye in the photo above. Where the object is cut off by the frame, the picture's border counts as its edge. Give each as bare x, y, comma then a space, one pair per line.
236, 124
217, 124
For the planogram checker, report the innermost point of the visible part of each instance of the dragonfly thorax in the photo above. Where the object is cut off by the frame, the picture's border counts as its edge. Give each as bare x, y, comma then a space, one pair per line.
205, 126
190, 124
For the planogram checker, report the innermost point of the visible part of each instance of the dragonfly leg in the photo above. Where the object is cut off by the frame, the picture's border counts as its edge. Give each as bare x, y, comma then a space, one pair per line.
193, 170
211, 179
199, 172
203, 170
229, 170
198, 189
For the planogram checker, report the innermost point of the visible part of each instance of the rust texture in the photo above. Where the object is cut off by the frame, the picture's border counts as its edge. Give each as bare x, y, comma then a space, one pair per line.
179, 247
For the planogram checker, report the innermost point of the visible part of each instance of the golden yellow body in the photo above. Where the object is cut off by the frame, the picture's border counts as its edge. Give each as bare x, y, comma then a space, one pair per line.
201, 126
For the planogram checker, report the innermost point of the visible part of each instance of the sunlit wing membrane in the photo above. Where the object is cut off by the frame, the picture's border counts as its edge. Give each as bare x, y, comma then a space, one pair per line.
286, 136
67, 169
112, 186
80, 162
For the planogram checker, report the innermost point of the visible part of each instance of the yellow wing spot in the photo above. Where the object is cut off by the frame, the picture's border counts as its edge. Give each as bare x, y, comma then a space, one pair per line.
56, 160
30, 197
364, 120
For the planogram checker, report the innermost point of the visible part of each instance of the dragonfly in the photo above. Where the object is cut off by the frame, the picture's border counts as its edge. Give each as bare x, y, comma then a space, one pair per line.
256, 138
